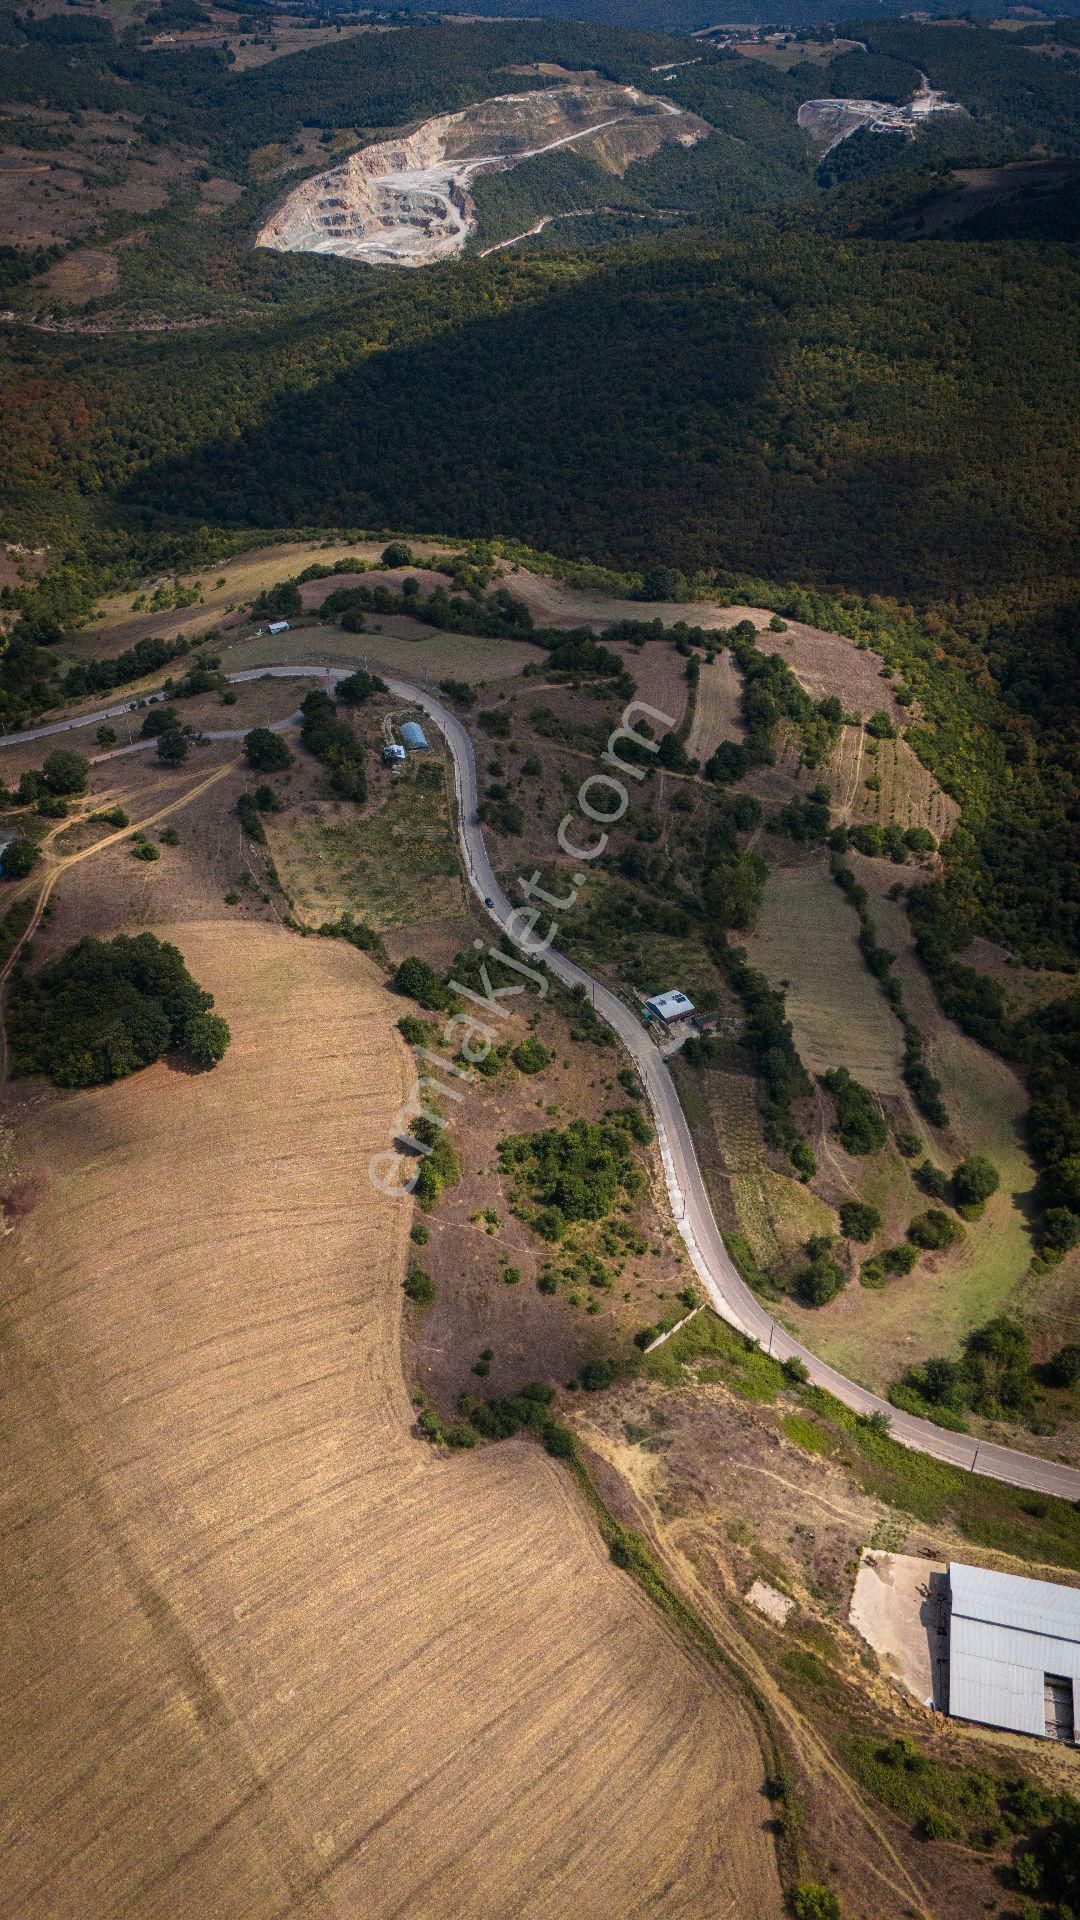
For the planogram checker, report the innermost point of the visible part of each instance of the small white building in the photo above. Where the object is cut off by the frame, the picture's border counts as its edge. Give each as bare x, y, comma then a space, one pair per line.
672, 1008
393, 754
1014, 1653
278, 626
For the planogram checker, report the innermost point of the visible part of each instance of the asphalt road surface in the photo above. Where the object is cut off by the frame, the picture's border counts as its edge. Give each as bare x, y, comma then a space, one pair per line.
693, 1213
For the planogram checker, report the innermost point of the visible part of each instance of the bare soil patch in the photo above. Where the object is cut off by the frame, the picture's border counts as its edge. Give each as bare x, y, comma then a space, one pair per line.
86, 274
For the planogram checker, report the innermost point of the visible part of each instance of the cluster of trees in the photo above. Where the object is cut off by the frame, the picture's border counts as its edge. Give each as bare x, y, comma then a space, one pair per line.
107, 1008
995, 1375
333, 742
860, 1122
579, 1172
769, 1039
771, 693
100, 676
497, 614
1044, 1043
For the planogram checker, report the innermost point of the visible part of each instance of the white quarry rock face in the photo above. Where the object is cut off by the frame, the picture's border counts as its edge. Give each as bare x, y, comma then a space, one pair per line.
831, 121
405, 202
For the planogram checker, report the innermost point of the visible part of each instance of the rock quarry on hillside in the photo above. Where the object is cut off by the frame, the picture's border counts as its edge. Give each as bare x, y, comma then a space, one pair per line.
405, 202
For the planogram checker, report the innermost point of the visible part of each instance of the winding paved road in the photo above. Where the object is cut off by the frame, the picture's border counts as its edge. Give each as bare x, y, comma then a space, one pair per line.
690, 1203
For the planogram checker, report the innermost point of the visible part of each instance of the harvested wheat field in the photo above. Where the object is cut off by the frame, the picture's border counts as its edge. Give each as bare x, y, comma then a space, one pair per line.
717, 708
267, 1653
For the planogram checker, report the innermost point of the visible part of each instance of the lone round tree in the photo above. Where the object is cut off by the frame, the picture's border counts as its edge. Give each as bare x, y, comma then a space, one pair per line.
18, 857
66, 771
266, 752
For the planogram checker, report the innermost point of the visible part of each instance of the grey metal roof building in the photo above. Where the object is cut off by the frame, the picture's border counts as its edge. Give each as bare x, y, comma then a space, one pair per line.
670, 1006
414, 736
1014, 1652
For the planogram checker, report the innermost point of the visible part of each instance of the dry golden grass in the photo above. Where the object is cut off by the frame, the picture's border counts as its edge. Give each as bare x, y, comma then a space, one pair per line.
267, 1654
717, 709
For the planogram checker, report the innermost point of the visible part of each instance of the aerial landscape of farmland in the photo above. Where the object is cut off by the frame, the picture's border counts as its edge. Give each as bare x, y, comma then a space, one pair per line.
540, 1136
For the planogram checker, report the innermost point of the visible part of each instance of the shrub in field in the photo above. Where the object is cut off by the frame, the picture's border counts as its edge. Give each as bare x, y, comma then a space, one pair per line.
1063, 1368
158, 720
933, 1181
935, 1230
811, 1901
419, 1287
65, 771
422, 984
859, 1220
173, 747
973, 1182
441, 1166
820, 1280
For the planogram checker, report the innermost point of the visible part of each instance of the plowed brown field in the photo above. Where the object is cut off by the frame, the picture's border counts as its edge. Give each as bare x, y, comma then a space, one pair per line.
266, 1653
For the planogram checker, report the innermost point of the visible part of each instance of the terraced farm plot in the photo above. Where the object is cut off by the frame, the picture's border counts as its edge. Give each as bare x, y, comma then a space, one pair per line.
395, 864
907, 792
806, 936
270, 1654
717, 709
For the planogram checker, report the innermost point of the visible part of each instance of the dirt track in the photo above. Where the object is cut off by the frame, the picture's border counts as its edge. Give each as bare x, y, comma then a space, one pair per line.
273, 1655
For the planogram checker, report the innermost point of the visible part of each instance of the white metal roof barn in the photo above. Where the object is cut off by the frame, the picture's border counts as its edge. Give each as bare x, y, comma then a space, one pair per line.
1014, 1652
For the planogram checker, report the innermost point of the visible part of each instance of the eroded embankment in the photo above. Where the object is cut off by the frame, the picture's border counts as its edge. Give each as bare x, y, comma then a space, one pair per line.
406, 202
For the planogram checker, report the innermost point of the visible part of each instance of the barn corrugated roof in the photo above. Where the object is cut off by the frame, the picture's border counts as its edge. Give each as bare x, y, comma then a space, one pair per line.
413, 734
1010, 1600
671, 1006
1006, 1635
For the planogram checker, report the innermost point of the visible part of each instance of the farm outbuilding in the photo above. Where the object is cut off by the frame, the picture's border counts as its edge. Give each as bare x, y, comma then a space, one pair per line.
278, 626
672, 1008
414, 736
393, 754
1014, 1652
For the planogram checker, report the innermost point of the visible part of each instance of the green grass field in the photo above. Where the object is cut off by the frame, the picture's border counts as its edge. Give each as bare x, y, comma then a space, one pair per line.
396, 866
806, 935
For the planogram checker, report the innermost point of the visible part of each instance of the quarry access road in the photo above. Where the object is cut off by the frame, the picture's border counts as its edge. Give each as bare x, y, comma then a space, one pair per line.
723, 1284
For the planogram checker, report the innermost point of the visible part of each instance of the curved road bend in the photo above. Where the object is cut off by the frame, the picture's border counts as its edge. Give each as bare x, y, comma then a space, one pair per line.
690, 1203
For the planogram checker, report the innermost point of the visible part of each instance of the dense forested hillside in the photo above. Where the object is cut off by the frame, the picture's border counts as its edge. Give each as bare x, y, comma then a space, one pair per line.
820, 377
894, 417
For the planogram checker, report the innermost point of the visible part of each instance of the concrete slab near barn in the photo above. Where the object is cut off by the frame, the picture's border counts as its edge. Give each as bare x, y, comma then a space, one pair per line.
900, 1606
